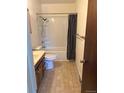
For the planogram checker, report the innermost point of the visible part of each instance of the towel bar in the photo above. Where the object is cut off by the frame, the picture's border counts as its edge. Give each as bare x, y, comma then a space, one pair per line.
79, 36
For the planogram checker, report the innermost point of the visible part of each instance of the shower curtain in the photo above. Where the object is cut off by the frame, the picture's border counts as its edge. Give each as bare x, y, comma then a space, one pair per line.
71, 40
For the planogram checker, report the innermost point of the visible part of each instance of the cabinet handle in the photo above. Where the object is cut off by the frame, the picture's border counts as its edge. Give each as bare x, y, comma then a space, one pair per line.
38, 70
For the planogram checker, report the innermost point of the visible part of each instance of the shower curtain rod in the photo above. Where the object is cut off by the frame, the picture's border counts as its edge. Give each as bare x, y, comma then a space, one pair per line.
54, 13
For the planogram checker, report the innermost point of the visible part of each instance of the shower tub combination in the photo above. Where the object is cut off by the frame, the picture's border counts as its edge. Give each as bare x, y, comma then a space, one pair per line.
60, 53
54, 28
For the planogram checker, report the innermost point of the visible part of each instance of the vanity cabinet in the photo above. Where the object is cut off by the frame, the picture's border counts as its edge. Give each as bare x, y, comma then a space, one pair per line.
39, 70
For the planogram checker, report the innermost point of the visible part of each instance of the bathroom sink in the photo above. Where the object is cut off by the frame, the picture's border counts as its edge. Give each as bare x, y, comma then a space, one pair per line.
36, 52
37, 55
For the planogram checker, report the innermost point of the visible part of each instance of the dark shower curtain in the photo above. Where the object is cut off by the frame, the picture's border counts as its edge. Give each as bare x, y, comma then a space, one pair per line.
71, 39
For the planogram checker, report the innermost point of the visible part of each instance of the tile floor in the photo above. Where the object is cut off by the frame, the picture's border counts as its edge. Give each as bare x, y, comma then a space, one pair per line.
62, 79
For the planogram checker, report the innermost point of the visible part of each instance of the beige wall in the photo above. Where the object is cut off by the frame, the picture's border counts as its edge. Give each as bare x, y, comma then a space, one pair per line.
58, 8
81, 29
82, 15
34, 7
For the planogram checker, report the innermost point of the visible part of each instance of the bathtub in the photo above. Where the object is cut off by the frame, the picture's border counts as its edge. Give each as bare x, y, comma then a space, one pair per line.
60, 52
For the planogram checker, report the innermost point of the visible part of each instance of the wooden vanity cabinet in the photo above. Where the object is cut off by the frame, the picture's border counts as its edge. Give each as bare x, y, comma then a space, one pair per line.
39, 70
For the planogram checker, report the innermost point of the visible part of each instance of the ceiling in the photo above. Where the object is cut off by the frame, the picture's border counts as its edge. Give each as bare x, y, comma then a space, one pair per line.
58, 1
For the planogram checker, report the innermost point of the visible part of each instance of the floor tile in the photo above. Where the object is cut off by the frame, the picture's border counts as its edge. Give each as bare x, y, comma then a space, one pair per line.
62, 79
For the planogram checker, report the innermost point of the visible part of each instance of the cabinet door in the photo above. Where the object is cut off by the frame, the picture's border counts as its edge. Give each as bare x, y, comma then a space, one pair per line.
37, 77
40, 71
43, 68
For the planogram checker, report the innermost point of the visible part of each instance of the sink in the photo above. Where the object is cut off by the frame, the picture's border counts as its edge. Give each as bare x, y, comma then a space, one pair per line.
37, 55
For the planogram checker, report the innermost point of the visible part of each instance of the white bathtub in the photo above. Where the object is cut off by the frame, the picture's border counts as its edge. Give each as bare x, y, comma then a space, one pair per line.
60, 52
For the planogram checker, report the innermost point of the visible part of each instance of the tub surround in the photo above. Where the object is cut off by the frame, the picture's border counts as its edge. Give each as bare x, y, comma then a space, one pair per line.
60, 52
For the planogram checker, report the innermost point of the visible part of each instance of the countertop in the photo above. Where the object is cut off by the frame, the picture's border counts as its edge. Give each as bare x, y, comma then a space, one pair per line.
37, 55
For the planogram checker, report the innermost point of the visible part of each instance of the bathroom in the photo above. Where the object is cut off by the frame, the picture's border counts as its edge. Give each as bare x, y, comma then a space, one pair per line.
61, 53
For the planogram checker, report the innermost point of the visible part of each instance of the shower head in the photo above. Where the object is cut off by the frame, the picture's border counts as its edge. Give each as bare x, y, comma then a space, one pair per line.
44, 19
